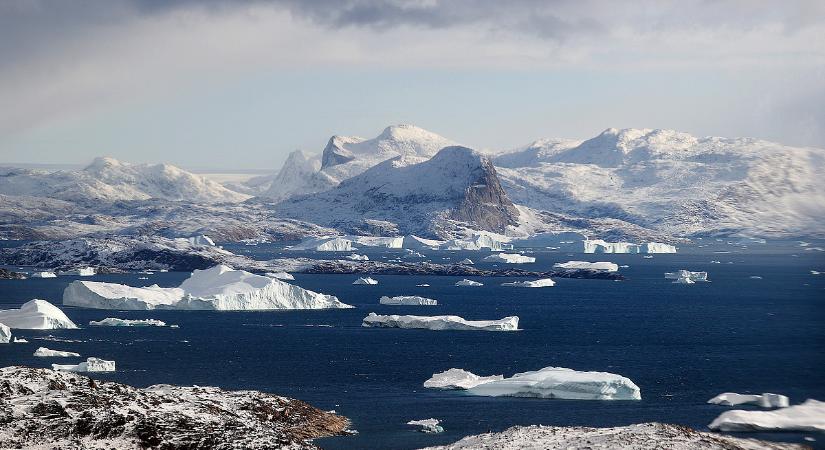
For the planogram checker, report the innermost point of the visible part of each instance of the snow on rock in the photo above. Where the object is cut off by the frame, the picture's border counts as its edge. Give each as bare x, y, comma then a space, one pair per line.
427, 425
510, 258
686, 276
600, 246
357, 257
44, 352
5, 334
36, 315
44, 274
458, 379
90, 365
116, 322
809, 416
603, 266
643, 436
766, 400
466, 282
559, 382
439, 323
280, 276
365, 281
325, 244
201, 239
544, 282
80, 272
218, 288
466, 262
412, 300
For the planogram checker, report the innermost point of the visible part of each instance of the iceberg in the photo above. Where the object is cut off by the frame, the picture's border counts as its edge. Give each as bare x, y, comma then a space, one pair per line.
510, 258
80, 272
458, 379
603, 265
365, 280
766, 400
600, 246
5, 334
466, 262
44, 274
559, 382
412, 300
201, 239
219, 288
439, 323
413, 242
44, 352
377, 241
809, 416
20, 340
423, 285
686, 276
357, 257
478, 242
657, 247
90, 365
115, 322
325, 244
280, 276
427, 425
544, 282
466, 282
36, 315
565, 240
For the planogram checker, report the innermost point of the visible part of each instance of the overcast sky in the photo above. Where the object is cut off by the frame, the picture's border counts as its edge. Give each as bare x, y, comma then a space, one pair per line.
238, 85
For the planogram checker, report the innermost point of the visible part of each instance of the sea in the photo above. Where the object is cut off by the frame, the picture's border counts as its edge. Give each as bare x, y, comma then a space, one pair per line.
757, 326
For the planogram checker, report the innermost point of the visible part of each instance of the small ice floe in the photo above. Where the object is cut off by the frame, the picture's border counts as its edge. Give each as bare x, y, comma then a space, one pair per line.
815, 249
280, 276
116, 322
143, 278
466, 262
624, 266
458, 379
816, 272
80, 272
647, 256
439, 323
510, 258
412, 300
366, 280
466, 282
44, 274
766, 400
755, 277
357, 257
423, 285
602, 265
36, 315
43, 352
5, 334
553, 382
809, 416
544, 282
716, 262
686, 276
20, 341
90, 365
427, 425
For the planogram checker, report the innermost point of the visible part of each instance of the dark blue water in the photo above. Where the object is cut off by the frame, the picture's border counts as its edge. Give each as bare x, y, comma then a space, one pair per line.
681, 344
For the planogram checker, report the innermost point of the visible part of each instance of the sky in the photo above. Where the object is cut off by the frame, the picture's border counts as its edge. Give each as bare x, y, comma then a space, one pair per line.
228, 85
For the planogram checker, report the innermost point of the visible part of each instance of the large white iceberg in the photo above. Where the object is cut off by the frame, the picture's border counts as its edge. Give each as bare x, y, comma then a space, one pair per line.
543, 282
325, 244
116, 322
44, 274
407, 300
439, 323
90, 365
44, 352
458, 379
600, 246
427, 425
365, 280
602, 265
559, 382
377, 241
477, 242
218, 288
5, 334
80, 271
510, 258
766, 400
809, 416
36, 315
466, 282
686, 276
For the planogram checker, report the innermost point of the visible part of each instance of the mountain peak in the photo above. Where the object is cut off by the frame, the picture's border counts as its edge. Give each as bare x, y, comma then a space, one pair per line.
103, 162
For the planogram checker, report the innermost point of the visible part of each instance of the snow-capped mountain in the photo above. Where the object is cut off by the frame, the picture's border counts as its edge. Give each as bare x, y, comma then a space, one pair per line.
456, 187
110, 180
673, 182
347, 156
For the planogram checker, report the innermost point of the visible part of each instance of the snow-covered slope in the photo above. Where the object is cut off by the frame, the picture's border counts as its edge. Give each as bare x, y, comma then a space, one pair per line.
457, 185
111, 180
299, 175
674, 182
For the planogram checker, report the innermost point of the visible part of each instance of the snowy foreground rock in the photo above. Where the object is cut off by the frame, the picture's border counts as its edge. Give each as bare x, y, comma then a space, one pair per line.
43, 352
412, 300
809, 416
36, 315
643, 436
116, 322
52, 409
219, 288
545, 282
550, 382
90, 365
510, 258
439, 323
603, 266
766, 400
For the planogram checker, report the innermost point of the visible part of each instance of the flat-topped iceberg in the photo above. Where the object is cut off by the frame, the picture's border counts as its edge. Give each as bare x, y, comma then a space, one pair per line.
686, 276
602, 265
412, 300
559, 382
466, 282
90, 365
5, 334
809, 416
325, 244
80, 272
600, 246
365, 281
766, 400
439, 323
458, 379
44, 352
427, 425
36, 315
544, 282
44, 274
115, 322
510, 258
218, 288
477, 242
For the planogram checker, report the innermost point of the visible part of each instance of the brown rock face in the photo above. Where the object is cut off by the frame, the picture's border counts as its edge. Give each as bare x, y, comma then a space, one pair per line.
485, 203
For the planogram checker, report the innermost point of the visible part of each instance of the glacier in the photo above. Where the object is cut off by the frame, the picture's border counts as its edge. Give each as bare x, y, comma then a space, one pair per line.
36, 315
440, 323
603, 265
412, 300
458, 379
510, 258
218, 288
766, 400
90, 365
544, 282
808, 416
44, 352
